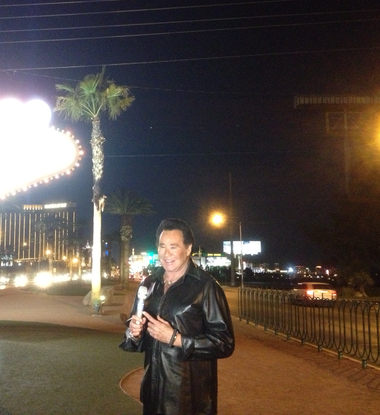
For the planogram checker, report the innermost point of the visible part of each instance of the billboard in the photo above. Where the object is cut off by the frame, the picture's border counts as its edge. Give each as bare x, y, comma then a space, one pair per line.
249, 247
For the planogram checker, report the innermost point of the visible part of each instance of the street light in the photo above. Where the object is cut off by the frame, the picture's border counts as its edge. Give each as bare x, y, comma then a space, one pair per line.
241, 256
218, 219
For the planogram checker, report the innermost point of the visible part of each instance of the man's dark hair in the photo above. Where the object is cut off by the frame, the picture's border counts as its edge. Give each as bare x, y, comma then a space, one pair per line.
172, 224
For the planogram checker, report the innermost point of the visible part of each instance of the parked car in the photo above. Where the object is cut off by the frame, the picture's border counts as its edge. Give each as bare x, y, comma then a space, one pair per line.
315, 290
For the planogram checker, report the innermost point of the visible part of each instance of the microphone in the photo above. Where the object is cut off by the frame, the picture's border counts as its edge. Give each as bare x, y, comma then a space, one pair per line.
141, 295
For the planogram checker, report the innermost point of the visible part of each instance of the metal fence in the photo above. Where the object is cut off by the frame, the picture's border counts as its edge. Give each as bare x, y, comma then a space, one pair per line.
350, 327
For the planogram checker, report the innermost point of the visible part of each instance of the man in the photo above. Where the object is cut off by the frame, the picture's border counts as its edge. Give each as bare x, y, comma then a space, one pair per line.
186, 326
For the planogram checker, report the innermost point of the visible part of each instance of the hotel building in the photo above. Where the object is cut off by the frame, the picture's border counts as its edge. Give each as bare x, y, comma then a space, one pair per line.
34, 233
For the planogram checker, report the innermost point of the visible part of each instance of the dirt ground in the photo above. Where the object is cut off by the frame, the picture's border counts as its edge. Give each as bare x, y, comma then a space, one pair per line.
268, 374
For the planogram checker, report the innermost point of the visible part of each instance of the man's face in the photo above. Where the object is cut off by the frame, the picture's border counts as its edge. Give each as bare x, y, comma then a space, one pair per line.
173, 253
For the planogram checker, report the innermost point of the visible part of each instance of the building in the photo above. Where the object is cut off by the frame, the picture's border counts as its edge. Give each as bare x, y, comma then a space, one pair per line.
37, 233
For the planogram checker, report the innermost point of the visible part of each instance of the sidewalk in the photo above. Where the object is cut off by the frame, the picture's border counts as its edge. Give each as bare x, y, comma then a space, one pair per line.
266, 375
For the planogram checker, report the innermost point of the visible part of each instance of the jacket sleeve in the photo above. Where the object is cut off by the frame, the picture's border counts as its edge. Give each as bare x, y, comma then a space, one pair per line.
218, 341
129, 345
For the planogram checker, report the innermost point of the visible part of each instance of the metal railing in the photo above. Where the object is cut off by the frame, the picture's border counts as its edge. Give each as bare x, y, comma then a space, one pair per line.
349, 327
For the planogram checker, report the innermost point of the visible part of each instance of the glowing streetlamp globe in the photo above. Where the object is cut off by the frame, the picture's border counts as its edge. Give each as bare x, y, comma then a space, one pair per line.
217, 219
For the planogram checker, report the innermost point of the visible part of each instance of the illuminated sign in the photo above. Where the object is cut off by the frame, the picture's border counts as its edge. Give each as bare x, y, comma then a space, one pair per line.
49, 206
56, 206
249, 247
32, 152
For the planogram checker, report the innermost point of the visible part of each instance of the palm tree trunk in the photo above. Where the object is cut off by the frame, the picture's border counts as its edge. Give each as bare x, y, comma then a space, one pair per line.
125, 236
96, 257
122, 279
97, 141
125, 249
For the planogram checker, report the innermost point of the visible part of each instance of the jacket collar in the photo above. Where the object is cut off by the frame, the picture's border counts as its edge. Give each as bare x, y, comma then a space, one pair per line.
192, 271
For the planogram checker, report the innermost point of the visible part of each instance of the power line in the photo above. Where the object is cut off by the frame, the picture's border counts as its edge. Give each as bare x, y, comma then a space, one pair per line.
227, 153
128, 25
246, 56
121, 1
57, 3
174, 8
133, 87
150, 9
153, 9
175, 32
221, 19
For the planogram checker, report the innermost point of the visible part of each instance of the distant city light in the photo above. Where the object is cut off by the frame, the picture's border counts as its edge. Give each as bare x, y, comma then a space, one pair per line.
32, 151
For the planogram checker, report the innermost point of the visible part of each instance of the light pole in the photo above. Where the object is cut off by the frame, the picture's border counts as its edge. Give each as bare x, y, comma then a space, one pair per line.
241, 256
231, 230
218, 219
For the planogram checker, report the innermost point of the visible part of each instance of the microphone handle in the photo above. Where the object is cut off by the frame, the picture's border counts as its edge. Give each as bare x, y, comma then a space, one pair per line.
140, 308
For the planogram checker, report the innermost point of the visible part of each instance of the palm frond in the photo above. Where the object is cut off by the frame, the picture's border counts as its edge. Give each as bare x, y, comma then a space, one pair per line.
64, 87
128, 203
92, 96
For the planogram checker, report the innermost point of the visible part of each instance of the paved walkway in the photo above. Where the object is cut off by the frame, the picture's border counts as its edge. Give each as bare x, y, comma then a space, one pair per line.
266, 375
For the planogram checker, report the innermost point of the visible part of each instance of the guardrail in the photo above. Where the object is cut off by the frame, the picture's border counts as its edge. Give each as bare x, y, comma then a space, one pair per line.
350, 327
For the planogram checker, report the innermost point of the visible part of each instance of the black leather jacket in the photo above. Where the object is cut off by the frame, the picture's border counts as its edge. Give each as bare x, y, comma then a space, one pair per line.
183, 380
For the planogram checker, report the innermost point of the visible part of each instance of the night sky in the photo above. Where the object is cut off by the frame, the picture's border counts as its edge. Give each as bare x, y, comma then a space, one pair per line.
214, 84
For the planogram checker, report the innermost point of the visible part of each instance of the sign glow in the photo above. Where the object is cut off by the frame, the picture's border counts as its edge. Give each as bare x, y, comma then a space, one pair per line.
32, 152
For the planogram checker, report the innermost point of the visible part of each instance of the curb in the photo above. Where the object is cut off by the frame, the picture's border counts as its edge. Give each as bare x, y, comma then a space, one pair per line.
130, 384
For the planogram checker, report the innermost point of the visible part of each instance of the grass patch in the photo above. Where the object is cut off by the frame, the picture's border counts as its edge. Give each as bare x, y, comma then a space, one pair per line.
69, 289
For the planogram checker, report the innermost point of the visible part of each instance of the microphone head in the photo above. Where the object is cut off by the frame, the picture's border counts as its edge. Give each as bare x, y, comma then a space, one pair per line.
142, 293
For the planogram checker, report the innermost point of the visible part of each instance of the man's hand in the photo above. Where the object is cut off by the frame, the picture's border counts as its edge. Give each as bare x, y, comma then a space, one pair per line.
136, 326
159, 328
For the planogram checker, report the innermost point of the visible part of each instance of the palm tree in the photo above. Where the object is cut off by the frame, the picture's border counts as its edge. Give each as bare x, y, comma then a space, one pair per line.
126, 204
90, 98
109, 243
